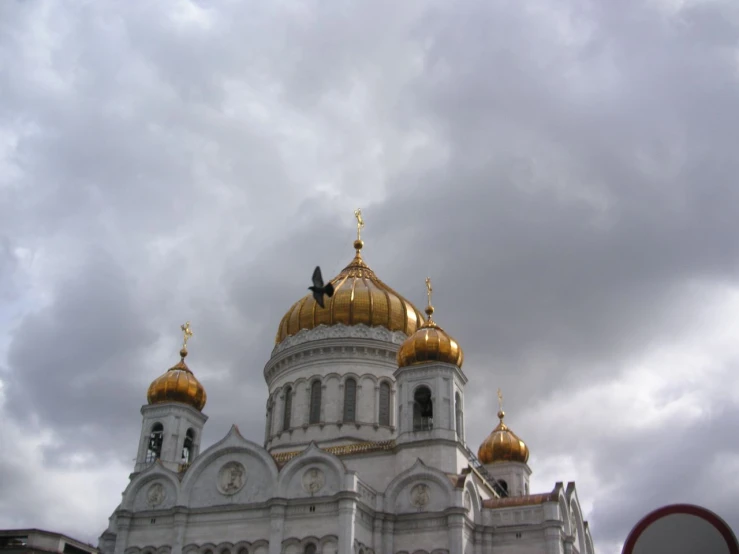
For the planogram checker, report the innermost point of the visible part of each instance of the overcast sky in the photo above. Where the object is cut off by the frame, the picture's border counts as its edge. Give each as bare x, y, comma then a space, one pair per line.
565, 171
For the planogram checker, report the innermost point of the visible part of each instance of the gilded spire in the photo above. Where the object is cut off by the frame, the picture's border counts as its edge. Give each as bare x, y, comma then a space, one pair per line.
187, 333
358, 244
501, 413
429, 308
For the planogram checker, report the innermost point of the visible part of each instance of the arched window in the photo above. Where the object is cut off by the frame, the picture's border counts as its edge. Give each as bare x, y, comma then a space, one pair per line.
310, 549
188, 446
154, 448
526, 488
502, 487
315, 402
350, 400
287, 414
423, 409
384, 403
460, 415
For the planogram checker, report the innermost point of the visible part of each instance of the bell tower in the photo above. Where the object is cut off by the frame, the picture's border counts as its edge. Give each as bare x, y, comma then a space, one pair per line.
172, 420
430, 385
504, 456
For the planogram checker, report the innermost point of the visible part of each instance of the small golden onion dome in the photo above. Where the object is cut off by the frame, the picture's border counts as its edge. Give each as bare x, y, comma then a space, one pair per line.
430, 344
178, 384
503, 445
359, 298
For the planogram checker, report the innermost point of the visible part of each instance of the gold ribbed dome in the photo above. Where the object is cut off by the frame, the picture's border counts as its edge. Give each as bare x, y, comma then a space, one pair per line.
503, 445
359, 298
430, 343
178, 384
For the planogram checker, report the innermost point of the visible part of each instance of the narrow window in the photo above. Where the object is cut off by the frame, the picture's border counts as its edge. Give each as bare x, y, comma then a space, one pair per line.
460, 416
269, 418
315, 402
384, 404
154, 449
350, 400
310, 549
188, 446
423, 409
287, 414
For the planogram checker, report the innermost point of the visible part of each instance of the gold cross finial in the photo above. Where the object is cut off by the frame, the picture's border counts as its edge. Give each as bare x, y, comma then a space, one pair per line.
360, 222
429, 290
187, 333
501, 413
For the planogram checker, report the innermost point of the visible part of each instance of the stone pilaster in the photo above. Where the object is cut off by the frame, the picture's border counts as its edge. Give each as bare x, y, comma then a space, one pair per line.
553, 540
377, 535
276, 526
123, 524
455, 525
347, 513
389, 541
180, 526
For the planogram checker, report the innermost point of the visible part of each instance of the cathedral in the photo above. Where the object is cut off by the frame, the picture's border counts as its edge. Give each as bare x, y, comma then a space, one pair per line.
364, 449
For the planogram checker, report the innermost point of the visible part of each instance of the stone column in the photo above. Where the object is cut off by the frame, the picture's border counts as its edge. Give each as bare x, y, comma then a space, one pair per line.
276, 525
389, 541
123, 524
455, 525
568, 544
347, 512
180, 524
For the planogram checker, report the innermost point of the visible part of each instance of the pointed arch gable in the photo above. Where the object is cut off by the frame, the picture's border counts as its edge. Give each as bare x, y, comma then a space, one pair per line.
475, 500
417, 472
233, 444
152, 473
333, 467
564, 510
576, 520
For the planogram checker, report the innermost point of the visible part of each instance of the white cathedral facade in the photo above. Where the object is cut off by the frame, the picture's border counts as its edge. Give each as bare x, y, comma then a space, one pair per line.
364, 450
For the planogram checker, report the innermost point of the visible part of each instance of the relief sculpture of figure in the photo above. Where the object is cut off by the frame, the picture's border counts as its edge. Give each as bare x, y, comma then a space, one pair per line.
155, 495
313, 480
232, 478
420, 495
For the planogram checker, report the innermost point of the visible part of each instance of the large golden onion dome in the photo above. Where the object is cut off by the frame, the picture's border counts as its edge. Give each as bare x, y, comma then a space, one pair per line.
359, 298
178, 384
430, 343
502, 445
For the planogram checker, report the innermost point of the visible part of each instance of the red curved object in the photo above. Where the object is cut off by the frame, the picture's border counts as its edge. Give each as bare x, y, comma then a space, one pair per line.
718, 523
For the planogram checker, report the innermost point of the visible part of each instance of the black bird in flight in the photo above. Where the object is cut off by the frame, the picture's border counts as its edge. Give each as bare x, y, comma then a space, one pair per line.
319, 289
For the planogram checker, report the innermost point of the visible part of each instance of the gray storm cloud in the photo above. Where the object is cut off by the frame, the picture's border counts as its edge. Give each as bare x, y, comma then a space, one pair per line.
565, 173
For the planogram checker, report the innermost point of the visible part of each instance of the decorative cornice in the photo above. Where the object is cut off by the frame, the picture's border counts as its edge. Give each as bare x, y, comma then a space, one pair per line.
281, 458
527, 500
340, 331
370, 345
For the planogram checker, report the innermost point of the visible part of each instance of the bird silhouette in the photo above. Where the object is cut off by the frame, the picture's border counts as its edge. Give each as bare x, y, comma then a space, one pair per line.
319, 289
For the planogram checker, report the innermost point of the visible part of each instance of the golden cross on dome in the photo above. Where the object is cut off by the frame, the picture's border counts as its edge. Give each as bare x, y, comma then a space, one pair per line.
360, 222
429, 290
500, 400
187, 332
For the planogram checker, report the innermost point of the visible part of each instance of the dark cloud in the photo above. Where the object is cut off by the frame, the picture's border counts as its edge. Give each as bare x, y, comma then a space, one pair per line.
564, 174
